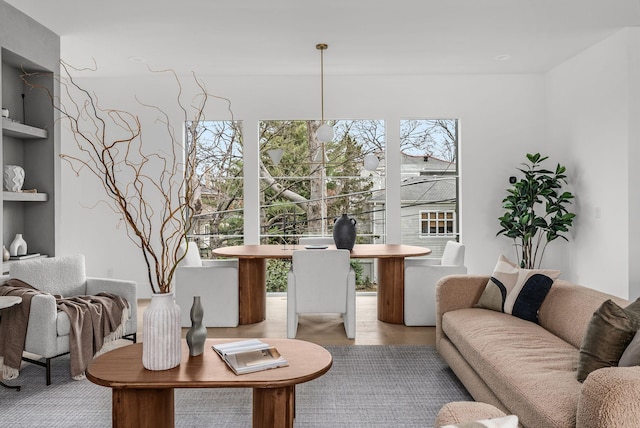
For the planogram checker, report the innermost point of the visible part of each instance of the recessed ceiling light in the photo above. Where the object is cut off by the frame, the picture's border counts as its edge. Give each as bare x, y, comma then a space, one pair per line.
137, 59
503, 57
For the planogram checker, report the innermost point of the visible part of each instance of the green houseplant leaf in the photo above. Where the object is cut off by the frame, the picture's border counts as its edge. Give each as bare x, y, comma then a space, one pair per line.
536, 210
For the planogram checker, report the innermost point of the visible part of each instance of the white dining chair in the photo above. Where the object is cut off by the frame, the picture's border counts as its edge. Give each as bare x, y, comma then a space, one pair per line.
215, 281
321, 281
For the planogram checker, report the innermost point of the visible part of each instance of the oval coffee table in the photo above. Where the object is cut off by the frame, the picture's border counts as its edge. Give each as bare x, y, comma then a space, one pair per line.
143, 397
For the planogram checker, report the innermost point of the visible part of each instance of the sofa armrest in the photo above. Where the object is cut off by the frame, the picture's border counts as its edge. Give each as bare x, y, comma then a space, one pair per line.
609, 397
42, 335
122, 288
457, 292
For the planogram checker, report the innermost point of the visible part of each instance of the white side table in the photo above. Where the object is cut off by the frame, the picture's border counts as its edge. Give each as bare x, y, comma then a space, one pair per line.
5, 303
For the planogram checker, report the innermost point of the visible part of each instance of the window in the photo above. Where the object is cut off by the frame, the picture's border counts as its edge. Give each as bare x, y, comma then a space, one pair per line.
429, 182
313, 182
437, 223
219, 216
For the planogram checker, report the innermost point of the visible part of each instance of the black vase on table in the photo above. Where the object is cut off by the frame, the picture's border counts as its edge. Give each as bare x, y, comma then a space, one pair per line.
344, 232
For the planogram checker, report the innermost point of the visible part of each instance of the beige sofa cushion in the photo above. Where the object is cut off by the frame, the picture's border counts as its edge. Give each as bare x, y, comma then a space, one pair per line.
531, 371
568, 308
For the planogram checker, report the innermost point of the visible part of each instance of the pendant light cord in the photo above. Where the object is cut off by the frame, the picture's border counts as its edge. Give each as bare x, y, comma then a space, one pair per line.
322, 47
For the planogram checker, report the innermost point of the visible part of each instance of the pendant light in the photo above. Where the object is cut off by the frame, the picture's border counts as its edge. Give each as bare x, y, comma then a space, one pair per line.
324, 133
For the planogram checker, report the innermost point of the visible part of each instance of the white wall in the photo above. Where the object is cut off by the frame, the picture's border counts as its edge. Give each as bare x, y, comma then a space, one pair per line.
632, 161
589, 101
501, 118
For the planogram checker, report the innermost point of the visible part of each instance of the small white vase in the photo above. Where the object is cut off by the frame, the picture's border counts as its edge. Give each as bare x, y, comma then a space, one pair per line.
161, 343
18, 246
13, 178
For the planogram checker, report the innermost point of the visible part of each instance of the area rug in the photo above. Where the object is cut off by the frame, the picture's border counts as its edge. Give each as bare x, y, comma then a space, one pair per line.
367, 386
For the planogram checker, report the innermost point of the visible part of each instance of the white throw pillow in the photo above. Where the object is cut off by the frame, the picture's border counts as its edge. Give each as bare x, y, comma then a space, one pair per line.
510, 421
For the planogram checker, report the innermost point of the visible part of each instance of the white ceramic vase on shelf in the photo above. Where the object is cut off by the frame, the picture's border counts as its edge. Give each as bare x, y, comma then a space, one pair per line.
18, 246
161, 344
13, 176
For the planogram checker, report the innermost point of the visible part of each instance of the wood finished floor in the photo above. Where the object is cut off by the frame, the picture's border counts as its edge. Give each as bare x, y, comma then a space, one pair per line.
323, 329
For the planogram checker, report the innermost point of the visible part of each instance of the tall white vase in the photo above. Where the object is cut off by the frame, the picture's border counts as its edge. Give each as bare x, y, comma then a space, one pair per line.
161, 344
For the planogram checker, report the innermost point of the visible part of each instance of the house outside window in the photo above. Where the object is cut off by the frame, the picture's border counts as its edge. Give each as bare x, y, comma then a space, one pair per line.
437, 223
429, 183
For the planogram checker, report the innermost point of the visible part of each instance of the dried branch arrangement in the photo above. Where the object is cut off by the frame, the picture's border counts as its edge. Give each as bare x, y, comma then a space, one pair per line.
154, 192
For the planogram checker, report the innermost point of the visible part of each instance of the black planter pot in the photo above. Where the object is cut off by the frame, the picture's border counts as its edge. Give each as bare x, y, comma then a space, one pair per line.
344, 232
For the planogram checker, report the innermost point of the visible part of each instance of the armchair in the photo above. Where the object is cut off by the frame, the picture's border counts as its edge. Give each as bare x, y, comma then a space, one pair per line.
420, 278
215, 281
321, 281
48, 330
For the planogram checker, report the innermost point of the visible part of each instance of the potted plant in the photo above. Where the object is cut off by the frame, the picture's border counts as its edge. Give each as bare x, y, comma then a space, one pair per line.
537, 211
155, 191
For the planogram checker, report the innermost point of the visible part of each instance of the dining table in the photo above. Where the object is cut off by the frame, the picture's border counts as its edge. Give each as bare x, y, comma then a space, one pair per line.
252, 275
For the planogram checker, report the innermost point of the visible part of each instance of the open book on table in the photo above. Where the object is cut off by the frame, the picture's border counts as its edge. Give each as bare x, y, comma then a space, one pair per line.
247, 356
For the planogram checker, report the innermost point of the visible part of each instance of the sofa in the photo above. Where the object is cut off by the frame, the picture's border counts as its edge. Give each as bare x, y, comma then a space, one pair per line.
530, 369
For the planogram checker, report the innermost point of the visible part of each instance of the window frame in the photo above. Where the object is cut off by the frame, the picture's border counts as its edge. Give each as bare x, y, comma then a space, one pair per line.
452, 220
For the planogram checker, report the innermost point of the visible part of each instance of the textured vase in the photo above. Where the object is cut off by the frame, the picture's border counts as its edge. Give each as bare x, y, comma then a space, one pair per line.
197, 334
5, 253
18, 246
161, 345
344, 232
13, 178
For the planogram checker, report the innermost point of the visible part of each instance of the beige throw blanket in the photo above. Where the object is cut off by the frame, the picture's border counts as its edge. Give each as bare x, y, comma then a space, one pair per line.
96, 321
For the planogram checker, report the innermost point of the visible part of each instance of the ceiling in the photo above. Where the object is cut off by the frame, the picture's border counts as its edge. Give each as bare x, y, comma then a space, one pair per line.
278, 37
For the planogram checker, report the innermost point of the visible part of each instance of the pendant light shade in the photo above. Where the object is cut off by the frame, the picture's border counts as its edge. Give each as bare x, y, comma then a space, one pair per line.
325, 133
275, 155
371, 162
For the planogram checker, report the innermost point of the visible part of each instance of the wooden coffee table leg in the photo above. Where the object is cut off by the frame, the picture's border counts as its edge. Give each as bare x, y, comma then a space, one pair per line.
273, 407
133, 408
391, 290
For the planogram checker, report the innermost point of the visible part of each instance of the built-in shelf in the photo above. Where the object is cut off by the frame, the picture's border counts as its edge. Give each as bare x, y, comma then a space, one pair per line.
20, 130
24, 196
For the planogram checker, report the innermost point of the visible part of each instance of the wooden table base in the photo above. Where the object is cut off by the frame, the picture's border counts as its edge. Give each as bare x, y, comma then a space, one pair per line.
273, 407
252, 276
143, 408
252, 279
391, 290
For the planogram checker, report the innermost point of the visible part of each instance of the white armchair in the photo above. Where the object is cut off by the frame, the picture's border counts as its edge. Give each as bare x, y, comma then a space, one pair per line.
48, 330
215, 281
420, 278
321, 281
